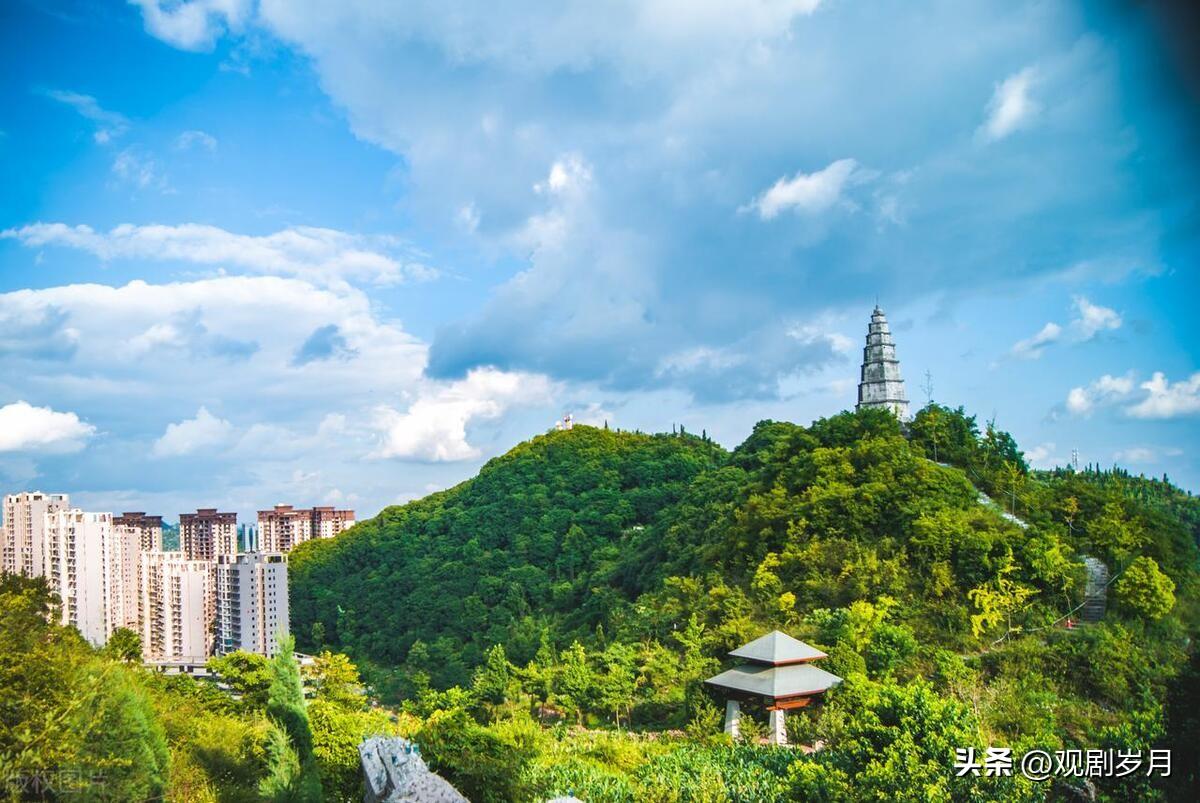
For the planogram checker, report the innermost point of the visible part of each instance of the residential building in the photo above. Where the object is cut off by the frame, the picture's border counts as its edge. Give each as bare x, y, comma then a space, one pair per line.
328, 522
177, 608
85, 567
22, 537
252, 602
205, 534
283, 527
147, 529
142, 533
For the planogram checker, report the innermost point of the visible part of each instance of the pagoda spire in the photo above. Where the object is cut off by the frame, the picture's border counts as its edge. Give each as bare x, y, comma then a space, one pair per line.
880, 384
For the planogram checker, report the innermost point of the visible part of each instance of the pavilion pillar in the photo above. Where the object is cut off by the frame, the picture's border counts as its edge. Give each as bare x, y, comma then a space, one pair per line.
778, 727
733, 718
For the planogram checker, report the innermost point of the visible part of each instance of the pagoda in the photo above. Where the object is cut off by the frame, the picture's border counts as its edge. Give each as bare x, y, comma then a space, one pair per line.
880, 384
779, 671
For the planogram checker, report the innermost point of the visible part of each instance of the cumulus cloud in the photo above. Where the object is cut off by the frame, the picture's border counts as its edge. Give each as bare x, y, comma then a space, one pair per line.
25, 428
203, 434
1031, 348
1108, 388
807, 193
434, 427
319, 254
196, 139
109, 124
1012, 107
1165, 399
1093, 319
193, 24
1160, 399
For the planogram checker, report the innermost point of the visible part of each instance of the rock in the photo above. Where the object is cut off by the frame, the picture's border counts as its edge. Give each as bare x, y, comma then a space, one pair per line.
395, 773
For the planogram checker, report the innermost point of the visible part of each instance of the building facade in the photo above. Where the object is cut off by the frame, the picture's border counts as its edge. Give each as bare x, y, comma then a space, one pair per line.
252, 602
22, 537
283, 527
177, 612
328, 522
880, 384
85, 568
141, 533
206, 534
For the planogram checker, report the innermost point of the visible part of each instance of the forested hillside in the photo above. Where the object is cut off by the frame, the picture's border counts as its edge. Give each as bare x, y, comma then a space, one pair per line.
597, 577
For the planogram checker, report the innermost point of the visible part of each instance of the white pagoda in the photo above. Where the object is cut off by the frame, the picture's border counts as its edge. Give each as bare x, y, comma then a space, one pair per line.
880, 384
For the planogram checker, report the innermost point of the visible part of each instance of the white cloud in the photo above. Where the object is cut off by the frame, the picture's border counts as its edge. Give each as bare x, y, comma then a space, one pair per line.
1082, 400
634, 35
109, 124
1135, 454
25, 428
434, 428
203, 434
1163, 399
806, 193
318, 254
1043, 456
1031, 348
196, 139
568, 174
1093, 319
1011, 107
135, 166
1167, 400
192, 24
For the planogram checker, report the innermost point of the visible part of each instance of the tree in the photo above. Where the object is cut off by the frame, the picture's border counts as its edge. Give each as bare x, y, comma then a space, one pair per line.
293, 772
997, 601
617, 682
124, 645
247, 674
335, 680
494, 683
575, 684
1144, 589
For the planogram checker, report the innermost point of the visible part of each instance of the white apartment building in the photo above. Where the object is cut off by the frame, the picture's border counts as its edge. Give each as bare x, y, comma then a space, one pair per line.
252, 602
85, 566
136, 529
284, 527
176, 607
22, 538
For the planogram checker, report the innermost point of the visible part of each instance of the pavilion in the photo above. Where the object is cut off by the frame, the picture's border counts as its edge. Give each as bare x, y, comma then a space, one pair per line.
779, 671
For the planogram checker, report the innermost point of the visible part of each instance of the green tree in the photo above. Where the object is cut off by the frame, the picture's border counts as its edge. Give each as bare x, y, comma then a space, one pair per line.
575, 684
1145, 590
335, 679
124, 645
249, 675
293, 771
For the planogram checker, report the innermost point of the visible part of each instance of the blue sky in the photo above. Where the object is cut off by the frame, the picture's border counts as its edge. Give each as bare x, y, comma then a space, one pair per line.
259, 252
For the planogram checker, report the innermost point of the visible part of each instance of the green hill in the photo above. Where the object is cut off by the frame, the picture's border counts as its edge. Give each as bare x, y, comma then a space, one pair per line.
601, 575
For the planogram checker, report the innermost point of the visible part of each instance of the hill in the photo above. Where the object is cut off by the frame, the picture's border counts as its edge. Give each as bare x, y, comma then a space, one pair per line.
600, 576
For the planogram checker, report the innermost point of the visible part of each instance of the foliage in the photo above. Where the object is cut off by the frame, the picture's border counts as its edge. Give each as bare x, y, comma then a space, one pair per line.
546, 628
1145, 590
293, 773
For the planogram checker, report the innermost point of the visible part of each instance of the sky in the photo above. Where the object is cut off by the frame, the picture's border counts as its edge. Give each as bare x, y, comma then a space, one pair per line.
255, 252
